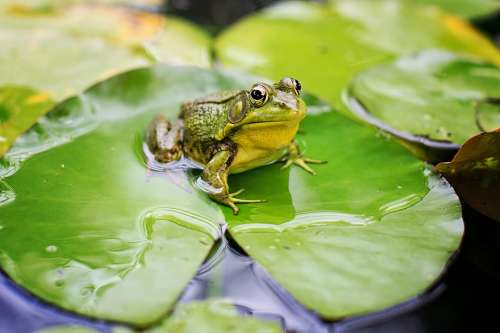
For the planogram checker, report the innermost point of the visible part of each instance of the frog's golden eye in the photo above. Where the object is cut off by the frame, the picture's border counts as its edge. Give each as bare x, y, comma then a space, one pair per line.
259, 95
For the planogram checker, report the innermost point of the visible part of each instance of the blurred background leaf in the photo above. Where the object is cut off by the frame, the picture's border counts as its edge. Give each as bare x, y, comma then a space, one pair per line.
324, 46
61, 52
432, 97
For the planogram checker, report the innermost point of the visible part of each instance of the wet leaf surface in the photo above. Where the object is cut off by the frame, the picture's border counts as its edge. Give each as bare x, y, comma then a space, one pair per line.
433, 95
324, 46
100, 233
474, 172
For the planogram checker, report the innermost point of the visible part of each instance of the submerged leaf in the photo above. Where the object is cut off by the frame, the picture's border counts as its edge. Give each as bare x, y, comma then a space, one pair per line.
474, 172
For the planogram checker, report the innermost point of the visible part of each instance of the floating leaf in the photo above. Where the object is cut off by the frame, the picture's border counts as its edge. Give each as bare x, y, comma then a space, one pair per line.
474, 172
90, 228
369, 231
434, 98
100, 234
213, 316
324, 46
19, 108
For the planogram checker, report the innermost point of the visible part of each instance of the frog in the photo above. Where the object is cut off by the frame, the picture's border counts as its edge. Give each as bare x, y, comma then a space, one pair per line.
230, 132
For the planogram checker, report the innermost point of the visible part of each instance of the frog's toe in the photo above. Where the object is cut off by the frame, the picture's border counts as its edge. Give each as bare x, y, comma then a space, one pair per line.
236, 193
287, 164
232, 197
231, 201
302, 163
313, 161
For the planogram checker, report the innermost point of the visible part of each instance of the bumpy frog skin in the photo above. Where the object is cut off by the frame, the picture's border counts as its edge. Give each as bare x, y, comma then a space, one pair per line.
234, 131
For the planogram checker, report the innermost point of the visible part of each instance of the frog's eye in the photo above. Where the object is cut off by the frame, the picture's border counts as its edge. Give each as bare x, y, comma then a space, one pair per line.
259, 95
298, 86
290, 84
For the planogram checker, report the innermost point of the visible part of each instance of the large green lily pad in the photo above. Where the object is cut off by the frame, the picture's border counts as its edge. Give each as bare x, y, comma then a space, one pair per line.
87, 227
90, 229
324, 46
431, 97
372, 229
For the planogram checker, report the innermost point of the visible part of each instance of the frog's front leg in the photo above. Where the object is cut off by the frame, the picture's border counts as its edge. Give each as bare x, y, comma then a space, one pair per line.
215, 175
294, 156
164, 139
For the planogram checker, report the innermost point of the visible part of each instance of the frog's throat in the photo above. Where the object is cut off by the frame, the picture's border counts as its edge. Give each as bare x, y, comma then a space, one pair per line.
226, 130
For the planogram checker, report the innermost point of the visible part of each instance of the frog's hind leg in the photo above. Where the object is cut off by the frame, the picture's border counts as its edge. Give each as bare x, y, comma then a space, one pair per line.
164, 139
215, 175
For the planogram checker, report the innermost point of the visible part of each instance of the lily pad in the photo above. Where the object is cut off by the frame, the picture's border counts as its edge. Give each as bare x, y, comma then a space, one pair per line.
466, 8
90, 229
63, 52
20, 108
100, 233
434, 98
66, 51
474, 172
324, 46
210, 316
371, 230
213, 316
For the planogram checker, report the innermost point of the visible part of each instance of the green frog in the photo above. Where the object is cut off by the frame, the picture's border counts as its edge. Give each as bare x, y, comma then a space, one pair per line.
234, 131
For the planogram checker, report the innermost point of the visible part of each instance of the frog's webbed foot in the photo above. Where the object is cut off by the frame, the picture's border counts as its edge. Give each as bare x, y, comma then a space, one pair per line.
231, 201
295, 157
215, 175
164, 139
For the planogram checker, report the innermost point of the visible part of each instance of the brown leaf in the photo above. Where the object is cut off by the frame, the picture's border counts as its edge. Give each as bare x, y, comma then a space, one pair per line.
474, 172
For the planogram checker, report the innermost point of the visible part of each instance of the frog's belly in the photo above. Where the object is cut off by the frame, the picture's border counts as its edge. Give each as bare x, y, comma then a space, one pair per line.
261, 144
